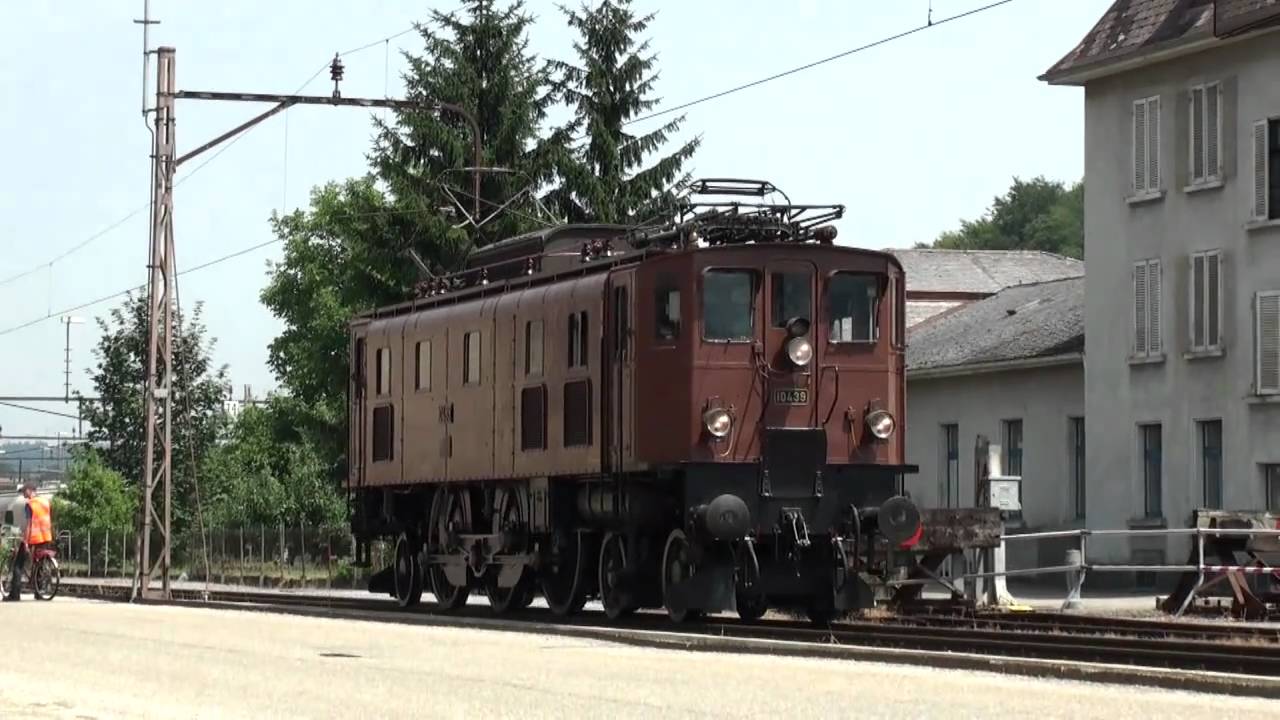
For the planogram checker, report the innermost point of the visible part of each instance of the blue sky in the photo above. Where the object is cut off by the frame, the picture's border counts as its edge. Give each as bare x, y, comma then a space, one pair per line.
911, 136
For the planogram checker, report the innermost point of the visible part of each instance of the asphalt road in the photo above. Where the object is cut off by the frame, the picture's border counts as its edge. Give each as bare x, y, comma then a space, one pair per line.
99, 660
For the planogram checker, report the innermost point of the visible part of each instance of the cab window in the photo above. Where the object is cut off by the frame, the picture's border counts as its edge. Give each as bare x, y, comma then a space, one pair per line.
853, 302
792, 294
728, 303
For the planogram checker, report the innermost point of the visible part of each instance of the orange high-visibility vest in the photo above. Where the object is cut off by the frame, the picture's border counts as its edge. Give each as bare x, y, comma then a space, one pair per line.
40, 529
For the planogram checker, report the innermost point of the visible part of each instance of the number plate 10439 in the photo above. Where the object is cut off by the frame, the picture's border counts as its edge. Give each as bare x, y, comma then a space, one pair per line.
791, 396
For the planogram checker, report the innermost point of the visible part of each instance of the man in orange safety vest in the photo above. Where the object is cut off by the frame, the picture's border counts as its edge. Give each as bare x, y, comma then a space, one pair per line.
38, 531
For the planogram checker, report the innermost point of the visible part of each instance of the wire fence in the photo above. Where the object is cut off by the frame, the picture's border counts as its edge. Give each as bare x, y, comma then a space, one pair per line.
264, 556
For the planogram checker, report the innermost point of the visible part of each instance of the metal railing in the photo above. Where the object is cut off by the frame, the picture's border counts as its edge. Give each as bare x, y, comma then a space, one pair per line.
265, 556
1077, 571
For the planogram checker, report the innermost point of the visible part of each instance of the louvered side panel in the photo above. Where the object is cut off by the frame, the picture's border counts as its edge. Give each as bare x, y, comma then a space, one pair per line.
1140, 146
1198, 303
1213, 268
1213, 131
1140, 309
1153, 144
1155, 344
1197, 135
1260, 170
1269, 342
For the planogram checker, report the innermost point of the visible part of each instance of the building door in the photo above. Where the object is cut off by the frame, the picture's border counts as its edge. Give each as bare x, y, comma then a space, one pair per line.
621, 370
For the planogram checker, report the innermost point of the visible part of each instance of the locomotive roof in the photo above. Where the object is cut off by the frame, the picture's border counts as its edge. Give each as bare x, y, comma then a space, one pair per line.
540, 241
564, 240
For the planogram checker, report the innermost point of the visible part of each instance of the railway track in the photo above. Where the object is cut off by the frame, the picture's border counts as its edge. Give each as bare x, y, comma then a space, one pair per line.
1239, 650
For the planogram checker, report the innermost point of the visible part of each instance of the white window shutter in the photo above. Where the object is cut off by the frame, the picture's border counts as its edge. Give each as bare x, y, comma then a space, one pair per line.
1213, 131
1198, 132
1153, 144
1154, 344
1213, 321
1260, 170
1198, 302
1268, 312
1140, 309
1139, 146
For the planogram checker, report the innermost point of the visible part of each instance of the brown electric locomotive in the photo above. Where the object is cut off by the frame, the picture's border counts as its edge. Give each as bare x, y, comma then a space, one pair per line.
703, 415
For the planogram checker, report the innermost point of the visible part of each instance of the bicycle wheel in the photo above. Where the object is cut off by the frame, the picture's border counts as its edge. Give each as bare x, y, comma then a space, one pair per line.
47, 579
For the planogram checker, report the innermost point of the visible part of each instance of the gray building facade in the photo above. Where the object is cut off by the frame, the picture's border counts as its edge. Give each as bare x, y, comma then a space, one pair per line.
1182, 256
1010, 368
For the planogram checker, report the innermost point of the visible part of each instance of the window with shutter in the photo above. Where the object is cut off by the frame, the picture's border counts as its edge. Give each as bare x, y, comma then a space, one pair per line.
1140, 147
1268, 342
1213, 132
1146, 146
1205, 113
1261, 209
1140, 309
1197, 302
1147, 342
1154, 344
1197, 135
1206, 301
1213, 291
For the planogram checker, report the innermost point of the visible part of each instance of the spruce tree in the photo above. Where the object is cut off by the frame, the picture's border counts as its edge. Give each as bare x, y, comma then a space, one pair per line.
477, 58
347, 252
608, 87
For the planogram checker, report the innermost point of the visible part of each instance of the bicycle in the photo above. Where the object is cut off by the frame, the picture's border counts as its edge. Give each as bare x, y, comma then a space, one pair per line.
41, 573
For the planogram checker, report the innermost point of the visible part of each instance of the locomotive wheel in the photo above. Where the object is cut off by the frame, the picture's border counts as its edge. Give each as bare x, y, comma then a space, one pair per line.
751, 606
408, 573
676, 567
564, 579
508, 519
448, 514
613, 565
821, 609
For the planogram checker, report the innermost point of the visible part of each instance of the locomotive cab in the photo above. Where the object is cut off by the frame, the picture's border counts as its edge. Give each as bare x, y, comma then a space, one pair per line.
790, 370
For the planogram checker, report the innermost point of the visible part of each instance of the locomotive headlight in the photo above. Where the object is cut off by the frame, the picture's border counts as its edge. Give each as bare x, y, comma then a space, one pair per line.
800, 351
718, 422
881, 424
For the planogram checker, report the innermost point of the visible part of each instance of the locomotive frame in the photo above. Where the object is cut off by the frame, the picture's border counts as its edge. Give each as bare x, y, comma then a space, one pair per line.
703, 415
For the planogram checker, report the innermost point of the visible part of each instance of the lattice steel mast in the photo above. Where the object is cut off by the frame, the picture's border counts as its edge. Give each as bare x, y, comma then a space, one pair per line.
157, 480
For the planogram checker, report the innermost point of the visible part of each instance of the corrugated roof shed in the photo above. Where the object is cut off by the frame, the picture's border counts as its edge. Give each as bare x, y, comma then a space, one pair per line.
981, 271
1023, 322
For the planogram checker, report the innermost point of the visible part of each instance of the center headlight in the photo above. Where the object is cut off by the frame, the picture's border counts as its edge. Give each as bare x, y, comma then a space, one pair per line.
800, 351
881, 424
718, 422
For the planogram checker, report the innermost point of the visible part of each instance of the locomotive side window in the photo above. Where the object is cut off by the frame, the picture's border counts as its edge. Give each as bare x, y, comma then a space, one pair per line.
792, 293
383, 448
852, 304
382, 383
577, 413
578, 339
728, 304
533, 418
533, 348
667, 325
422, 366
471, 358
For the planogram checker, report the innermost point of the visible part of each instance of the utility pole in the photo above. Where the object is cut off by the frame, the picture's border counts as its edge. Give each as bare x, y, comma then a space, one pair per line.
156, 472
68, 320
157, 460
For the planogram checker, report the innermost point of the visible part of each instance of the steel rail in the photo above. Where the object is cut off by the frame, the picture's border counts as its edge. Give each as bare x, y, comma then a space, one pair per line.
1103, 642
